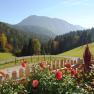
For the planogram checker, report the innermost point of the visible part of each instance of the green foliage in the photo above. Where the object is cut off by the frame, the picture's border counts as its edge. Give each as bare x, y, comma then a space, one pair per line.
36, 46
74, 39
14, 37
48, 83
11, 87
30, 48
18, 38
33, 47
86, 80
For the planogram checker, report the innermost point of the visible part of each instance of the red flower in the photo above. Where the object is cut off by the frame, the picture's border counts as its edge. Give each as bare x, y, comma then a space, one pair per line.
73, 72
59, 75
68, 65
35, 83
23, 65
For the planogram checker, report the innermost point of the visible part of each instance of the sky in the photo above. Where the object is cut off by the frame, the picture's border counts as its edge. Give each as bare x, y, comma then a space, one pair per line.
77, 12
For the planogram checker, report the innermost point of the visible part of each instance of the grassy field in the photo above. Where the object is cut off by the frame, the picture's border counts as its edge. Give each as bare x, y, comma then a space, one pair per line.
78, 52
4, 56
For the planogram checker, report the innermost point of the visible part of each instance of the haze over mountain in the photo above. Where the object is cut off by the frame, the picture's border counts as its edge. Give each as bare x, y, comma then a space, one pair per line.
43, 28
43, 34
57, 26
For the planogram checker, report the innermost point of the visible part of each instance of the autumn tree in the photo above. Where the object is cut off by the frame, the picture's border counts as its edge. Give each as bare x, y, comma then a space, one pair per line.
3, 41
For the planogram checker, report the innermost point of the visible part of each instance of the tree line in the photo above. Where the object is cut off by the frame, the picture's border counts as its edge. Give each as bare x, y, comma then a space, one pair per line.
74, 39
18, 42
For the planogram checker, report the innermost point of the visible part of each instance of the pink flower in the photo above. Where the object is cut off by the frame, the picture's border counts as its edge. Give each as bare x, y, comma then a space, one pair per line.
74, 72
23, 65
59, 75
68, 65
35, 83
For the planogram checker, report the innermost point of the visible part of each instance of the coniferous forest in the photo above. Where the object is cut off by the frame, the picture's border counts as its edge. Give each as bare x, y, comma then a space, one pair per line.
22, 43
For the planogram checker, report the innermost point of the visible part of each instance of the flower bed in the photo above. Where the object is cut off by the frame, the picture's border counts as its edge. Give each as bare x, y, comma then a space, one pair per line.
44, 81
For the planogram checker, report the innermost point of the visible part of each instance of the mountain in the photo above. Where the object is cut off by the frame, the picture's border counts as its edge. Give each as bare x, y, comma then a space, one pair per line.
57, 26
41, 27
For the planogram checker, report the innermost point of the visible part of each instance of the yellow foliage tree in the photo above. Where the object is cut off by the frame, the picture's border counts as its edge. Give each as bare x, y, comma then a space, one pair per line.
3, 40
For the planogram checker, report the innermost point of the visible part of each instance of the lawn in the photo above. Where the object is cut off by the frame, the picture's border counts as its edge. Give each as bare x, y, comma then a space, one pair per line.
4, 56
78, 52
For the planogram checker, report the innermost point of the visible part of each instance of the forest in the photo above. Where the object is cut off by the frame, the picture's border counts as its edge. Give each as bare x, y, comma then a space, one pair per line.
20, 43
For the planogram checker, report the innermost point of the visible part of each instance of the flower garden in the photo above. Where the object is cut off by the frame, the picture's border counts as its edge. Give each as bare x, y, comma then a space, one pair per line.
46, 80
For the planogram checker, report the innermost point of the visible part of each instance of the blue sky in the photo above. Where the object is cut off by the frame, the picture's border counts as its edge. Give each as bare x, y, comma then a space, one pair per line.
79, 12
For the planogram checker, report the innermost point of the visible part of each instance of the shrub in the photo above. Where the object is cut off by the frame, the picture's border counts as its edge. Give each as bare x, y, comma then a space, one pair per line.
44, 81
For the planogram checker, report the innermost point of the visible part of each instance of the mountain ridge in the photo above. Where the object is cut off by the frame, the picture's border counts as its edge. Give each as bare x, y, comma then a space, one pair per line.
55, 25
42, 27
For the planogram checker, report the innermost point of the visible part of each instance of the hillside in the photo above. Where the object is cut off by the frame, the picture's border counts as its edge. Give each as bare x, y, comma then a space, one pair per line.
41, 33
13, 35
61, 43
55, 25
78, 52
74, 39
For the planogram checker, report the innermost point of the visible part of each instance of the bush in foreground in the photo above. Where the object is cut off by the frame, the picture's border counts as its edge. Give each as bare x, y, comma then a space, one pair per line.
44, 81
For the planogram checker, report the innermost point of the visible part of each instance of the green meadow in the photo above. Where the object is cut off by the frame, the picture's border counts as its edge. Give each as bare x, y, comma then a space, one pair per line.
4, 56
78, 52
